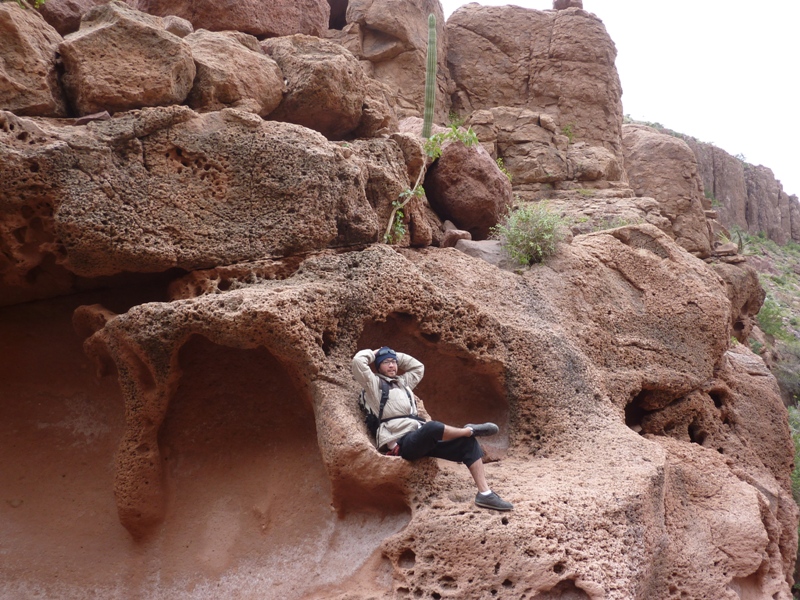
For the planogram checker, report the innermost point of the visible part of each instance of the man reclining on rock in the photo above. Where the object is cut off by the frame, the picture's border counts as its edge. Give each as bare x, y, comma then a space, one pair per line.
402, 432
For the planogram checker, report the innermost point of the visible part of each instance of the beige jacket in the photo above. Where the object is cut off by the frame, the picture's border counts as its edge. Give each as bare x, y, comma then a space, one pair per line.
398, 403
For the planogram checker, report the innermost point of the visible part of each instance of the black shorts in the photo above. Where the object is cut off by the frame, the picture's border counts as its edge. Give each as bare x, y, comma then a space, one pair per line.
427, 441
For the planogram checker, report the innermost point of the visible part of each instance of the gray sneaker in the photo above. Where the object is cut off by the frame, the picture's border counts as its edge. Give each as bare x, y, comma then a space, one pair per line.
483, 429
492, 501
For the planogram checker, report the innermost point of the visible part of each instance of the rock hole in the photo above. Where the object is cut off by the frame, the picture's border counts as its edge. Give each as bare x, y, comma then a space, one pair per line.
508, 583
457, 387
558, 568
407, 559
448, 583
436, 596
242, 437
34, 167
496, 568
696, 433
504, 520
328, 339
338, 18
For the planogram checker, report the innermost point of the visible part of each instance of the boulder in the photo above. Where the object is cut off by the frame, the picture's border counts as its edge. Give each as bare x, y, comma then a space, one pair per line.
390, 37
560, 63
178, 26
592, 163
490, 251
466, 186
663, 167
378, 116
261, 19
121, 59
232, 71
745, 294
65, 15
325, 84
28, 75
178, 189
531, 152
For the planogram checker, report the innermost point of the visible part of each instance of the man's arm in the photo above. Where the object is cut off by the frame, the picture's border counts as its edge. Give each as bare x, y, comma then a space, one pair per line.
363, 374
413, 370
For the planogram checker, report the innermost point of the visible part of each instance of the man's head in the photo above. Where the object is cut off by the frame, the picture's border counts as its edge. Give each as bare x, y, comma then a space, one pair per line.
386, 361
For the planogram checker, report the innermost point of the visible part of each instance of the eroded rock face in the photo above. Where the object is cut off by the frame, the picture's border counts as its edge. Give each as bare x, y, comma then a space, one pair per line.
261, 19
646, 351
28, 77
325, 84
746, 296
664, 167
232, 71
560, 63
177, 189
122, 59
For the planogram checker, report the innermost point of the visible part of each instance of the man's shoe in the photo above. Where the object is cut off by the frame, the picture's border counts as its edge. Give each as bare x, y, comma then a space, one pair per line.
492, 501
483, 429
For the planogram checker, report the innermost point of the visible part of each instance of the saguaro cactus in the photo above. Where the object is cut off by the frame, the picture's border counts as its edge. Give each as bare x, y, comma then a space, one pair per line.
430, 78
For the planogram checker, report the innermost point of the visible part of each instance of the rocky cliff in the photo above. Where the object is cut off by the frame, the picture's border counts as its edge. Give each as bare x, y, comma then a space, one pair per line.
190, 221
744, 195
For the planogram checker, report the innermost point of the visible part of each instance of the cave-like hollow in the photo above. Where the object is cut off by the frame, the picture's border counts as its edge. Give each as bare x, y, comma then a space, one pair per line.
246, 485
457, 387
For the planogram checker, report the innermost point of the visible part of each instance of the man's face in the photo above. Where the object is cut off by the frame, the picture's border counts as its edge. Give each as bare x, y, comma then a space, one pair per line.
388, 367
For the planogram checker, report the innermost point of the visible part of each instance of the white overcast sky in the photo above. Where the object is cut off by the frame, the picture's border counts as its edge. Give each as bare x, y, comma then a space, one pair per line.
724, 71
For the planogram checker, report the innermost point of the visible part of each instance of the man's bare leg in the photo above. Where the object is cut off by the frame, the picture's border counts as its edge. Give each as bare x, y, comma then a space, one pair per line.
479, 475
451, 433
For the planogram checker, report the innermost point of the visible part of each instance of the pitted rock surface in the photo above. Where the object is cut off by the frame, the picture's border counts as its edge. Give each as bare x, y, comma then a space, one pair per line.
28, 76
121, 59
608, 371
165, 188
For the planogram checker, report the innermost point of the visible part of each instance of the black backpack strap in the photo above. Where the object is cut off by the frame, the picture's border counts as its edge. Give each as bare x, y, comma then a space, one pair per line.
384, 397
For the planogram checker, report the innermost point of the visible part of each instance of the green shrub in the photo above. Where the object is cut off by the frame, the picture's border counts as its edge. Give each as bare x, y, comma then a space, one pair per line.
530, 234
794, 427
770, 318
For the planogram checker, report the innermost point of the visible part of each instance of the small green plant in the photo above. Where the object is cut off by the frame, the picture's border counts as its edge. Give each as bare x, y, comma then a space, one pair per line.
35, 3
454, 119
502, 166
585, 192
530, 234
756, 346
568, 130
770, 318
794, 428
